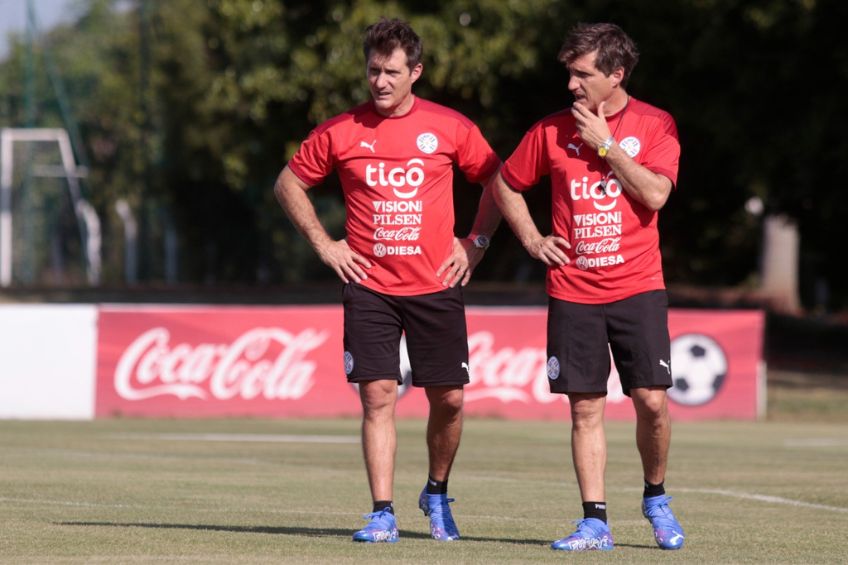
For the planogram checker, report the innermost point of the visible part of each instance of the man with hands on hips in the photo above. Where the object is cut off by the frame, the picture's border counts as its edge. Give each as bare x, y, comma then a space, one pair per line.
402, 267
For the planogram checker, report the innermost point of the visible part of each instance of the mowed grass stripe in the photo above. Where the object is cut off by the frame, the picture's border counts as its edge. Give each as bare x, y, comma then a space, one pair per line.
238, 438
742, 495
766, 499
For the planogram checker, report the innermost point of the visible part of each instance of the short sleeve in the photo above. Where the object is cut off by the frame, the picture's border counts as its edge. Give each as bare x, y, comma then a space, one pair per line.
313, 161
475, 157
662, 156
529, 162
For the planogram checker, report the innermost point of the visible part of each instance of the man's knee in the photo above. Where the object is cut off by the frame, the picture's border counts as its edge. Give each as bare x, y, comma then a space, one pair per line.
378, 396
651, 403
587, 410
446, 399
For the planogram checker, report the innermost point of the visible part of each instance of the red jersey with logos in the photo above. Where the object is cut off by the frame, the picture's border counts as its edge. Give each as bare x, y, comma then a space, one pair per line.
614, 240
397, 178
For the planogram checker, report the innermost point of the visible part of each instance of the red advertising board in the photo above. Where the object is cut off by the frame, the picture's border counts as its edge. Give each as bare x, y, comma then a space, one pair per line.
288, 362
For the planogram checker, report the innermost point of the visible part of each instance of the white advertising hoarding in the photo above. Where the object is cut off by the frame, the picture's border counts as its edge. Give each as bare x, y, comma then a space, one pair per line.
94, 361
47, 361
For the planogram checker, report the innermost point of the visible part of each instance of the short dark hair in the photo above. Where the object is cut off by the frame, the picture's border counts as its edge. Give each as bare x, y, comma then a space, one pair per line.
388, 34
615, 48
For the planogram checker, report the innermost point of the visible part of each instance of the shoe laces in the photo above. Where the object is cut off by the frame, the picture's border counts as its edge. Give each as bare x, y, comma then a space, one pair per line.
585, 529
661, 513
379, 519
441, 510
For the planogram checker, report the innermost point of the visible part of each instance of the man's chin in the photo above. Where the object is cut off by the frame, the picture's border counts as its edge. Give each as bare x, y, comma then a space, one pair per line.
384, 106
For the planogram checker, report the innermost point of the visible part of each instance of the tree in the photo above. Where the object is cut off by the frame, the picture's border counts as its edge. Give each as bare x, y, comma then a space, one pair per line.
189, 110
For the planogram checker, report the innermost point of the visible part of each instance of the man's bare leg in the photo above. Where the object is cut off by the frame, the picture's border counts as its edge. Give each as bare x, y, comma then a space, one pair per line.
653, 431
379, 436
444, 429
589, 444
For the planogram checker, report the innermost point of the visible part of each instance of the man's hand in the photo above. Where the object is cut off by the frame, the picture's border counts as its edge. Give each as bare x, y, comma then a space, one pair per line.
459, 265
593, 129
549, 250
347, 263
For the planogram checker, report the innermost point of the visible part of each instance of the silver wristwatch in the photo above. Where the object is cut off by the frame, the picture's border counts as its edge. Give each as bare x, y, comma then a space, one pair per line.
480, 241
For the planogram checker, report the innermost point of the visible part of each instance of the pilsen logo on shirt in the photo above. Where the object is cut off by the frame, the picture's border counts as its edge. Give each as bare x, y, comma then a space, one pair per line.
597, 236
398, 223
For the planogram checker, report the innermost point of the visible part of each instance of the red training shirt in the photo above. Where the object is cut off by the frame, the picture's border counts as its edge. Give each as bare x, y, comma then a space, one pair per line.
614, 240
397, 178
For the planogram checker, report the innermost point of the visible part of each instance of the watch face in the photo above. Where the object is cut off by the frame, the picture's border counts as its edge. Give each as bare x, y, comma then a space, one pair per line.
481, 242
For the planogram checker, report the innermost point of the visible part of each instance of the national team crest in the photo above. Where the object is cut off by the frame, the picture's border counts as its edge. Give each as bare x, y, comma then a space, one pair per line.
348, 362
631, 145
427, 143
553, 368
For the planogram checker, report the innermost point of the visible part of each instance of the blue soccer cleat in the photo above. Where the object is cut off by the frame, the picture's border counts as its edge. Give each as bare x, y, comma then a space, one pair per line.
667, 530
436, 506
381, 529
591, 535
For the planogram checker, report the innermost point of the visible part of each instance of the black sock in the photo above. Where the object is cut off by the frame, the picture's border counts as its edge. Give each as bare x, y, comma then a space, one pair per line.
595, 510
380, 505
436, 487
653, 490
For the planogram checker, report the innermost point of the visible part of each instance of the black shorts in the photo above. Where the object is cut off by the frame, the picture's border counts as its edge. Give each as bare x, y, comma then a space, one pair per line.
581, 336
435, 330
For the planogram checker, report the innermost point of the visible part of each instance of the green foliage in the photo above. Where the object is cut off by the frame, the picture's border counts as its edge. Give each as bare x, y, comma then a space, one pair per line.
192, 108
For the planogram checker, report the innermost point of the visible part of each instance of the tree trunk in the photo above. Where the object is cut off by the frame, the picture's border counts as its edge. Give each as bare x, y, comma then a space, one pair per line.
779, 269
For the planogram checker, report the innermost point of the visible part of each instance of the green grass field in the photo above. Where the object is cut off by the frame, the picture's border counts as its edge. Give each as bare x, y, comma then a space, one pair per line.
254, 491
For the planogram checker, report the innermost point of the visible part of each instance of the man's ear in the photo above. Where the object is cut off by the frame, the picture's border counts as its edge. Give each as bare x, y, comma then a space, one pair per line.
416, 71
617, 76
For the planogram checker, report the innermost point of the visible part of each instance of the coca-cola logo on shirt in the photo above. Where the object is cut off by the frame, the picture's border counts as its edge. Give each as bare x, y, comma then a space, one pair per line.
400, 234
268, 363
606, 245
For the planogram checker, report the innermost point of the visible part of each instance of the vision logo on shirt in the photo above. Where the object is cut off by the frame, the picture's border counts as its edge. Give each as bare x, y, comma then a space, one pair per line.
398, 177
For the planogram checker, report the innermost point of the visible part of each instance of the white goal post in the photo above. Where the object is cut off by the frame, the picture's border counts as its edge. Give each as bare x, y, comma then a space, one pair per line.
86, 216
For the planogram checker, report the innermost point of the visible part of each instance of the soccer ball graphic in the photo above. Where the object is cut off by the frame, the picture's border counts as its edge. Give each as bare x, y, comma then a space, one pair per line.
405, 370
699, 367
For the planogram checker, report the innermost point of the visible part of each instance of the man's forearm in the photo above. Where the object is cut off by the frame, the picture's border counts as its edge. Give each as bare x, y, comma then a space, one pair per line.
650, 189
488, 216
291, 194
515, 210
